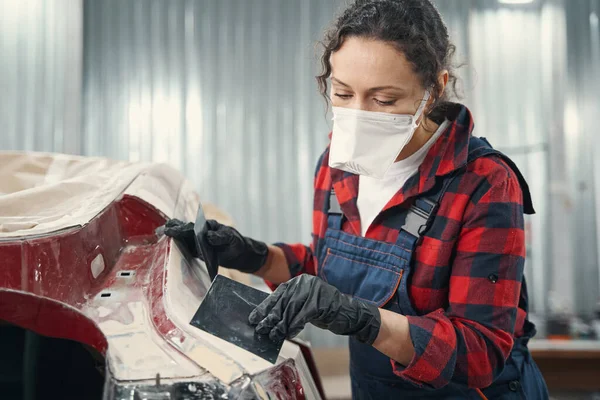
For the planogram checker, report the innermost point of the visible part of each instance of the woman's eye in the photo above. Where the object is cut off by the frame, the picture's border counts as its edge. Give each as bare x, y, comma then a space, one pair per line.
385, 103
343, 96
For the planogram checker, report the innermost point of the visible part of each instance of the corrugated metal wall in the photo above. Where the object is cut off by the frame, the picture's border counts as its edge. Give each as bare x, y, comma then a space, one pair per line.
40, 74
582, 107
221, 89
224, 91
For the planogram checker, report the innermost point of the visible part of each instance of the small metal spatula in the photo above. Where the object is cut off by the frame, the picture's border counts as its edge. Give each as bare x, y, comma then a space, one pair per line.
209, 256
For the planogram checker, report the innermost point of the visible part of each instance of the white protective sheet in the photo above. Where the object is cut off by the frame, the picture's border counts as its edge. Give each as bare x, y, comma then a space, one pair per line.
42, 193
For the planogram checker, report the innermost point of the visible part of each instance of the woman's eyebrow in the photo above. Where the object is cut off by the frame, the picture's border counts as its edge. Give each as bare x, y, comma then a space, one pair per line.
339, 82
371, 90
378, 88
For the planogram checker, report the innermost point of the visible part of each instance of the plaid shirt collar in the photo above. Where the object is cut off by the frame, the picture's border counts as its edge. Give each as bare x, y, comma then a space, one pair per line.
448, 154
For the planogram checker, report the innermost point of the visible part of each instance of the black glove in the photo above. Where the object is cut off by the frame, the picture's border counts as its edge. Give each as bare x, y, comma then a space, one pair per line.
308, 298
233, 250
183, 233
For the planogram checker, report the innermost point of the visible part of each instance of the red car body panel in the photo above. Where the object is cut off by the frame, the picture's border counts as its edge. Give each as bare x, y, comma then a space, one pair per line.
111, 283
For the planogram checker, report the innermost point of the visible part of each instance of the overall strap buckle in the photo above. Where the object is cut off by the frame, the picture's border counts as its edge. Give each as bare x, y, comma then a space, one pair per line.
421, 213
417, 217
335, 217
334, 204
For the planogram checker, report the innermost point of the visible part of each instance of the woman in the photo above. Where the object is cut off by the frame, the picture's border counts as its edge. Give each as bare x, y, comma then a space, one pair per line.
418, 244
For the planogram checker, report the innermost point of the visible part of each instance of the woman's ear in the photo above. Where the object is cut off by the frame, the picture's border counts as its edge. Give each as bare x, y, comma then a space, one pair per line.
443, 81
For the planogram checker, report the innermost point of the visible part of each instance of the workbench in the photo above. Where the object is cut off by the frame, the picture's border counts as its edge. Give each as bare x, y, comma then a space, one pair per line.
568, 364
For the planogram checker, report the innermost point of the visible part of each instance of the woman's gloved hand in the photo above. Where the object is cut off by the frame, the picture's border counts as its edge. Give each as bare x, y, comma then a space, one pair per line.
307, 299
233, 250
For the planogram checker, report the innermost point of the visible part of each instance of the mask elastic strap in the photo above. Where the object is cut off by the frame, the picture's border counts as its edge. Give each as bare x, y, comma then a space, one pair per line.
421, 107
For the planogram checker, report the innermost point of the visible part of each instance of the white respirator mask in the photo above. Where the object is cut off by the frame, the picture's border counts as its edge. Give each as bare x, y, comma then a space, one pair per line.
366, 142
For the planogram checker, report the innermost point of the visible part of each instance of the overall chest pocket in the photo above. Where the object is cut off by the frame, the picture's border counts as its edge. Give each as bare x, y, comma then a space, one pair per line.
363, 268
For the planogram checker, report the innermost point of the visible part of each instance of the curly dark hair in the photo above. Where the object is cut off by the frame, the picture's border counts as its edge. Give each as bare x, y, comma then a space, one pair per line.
415, 27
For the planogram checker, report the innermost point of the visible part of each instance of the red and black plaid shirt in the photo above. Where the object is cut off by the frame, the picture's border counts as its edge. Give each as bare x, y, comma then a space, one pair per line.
466, 273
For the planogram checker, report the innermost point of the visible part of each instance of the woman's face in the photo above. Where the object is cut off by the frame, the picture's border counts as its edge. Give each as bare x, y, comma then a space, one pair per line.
372, 75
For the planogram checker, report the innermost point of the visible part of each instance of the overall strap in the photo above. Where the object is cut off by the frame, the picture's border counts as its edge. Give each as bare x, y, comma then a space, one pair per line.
334, 212
418, 217
480, 147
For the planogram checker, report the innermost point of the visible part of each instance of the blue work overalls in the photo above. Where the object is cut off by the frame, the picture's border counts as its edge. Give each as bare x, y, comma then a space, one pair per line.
378, 272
